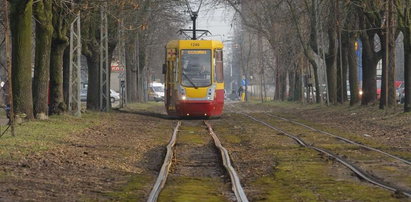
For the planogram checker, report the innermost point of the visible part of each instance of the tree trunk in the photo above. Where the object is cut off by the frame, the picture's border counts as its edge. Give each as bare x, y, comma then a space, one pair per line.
66, 75
344, 73
313, 58
146, 75
131, 69
44, 33
57, 105
332, 77
353, 70
277, 84
391, 23
369, 65
58, 45
340, 85
292, 89
21, 30
261, 88
297, 86
93, 87
407, 69
392, 101
331, 59
141, 68
260, 65
112, 44
283, 81
391, 91
318, 93
383, 89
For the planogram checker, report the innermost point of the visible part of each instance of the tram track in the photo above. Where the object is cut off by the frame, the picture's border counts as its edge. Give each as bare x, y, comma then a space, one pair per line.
172, 161
354, 168
341, 138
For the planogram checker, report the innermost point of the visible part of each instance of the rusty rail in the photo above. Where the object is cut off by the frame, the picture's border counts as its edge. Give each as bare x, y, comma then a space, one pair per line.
342, 139
162, 176
362, 174
235, 180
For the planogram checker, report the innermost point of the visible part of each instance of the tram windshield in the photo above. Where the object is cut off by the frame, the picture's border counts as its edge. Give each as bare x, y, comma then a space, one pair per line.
196, 68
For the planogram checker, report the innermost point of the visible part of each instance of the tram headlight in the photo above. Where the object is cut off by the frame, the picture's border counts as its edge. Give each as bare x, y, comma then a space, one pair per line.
182, 93
210, 93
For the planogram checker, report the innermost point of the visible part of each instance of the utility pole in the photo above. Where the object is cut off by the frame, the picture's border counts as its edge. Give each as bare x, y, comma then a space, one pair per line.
194, 16
387, 55
343, 82
260, 65
75, 67
8, 65
104, 66
122, 62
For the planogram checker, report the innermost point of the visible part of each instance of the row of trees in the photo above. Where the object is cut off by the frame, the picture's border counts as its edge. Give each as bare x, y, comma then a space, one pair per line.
322, 37
40, 88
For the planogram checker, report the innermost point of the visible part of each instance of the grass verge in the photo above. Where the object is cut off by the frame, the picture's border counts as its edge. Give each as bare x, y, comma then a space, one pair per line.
37, 136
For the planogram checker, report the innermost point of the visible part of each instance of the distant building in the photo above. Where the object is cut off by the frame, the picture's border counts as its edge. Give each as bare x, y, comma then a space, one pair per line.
118, 73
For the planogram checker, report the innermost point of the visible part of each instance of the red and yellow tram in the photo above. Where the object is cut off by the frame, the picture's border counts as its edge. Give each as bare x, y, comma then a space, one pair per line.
194, 78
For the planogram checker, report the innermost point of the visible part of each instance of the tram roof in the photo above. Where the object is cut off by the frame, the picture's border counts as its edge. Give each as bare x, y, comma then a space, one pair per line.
200, 44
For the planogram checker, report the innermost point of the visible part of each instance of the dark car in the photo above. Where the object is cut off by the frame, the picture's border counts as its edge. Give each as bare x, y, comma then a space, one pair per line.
83, 95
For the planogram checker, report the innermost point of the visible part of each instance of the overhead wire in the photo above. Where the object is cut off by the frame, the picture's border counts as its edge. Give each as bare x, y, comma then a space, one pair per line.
191, 10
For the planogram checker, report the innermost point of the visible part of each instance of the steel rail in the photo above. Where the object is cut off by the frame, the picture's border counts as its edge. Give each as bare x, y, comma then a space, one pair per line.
346, 163
342, 139
162, 176
235, 180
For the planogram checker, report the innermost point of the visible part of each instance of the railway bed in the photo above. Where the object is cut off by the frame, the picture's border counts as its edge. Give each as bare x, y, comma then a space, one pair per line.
361, 164
271, 166
196, 166
401, 159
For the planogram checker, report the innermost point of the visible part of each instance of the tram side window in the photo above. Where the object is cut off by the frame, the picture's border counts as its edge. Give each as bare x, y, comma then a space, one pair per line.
219, 66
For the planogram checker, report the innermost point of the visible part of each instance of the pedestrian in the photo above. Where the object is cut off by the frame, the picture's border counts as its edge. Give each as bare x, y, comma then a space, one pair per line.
240, 91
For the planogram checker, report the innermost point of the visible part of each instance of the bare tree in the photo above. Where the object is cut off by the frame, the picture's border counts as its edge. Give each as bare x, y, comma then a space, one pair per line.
21, 29
44, 32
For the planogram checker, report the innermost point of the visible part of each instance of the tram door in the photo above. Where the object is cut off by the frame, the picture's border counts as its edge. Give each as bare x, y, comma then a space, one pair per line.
219, 78
171, 75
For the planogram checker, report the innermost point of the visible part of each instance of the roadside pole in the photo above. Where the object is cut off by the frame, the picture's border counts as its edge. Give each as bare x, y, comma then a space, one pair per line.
8, 65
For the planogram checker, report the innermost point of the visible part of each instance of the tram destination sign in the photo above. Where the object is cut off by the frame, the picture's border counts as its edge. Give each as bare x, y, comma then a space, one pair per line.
197, 52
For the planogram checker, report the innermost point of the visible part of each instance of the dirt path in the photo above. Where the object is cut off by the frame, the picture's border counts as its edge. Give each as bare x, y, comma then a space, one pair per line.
100, 163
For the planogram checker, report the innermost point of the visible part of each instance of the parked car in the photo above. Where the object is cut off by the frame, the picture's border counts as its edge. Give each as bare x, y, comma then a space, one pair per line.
379, 83
114, 96
397, 85
156, 92
83, 95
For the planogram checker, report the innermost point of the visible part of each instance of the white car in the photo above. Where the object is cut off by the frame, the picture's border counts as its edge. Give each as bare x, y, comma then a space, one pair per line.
156, 92
114, 96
